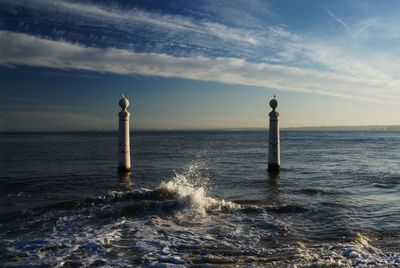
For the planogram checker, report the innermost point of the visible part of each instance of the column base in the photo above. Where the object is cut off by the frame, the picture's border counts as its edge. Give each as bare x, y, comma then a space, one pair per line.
124, 169
273, 167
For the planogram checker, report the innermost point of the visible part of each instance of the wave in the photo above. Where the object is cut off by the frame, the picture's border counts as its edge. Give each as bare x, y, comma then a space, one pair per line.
184, 193
315, 191
177, 223
358, 252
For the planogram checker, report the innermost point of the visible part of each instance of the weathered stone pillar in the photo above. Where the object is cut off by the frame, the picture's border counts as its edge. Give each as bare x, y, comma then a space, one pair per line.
274, 155
124, 152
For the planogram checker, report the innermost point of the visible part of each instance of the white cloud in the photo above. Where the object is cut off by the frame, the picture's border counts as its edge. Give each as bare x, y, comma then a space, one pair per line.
23, 49
380, 28
153, 31
133, 19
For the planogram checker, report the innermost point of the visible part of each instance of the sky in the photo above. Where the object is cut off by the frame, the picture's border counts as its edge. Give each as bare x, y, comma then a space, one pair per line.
198, 64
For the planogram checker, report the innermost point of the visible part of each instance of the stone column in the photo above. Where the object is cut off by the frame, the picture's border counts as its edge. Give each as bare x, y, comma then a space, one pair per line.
124, 152
274, 156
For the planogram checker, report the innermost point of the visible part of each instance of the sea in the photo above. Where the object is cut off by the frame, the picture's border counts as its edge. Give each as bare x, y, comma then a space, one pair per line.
200, 199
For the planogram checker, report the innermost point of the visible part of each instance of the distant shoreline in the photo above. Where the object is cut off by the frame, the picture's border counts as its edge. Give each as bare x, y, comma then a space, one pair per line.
309, 128
349, 128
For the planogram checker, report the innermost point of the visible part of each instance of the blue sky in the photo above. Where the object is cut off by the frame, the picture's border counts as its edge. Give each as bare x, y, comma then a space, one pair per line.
198, 64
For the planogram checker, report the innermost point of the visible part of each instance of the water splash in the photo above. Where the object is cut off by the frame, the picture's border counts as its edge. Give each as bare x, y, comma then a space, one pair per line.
191, 188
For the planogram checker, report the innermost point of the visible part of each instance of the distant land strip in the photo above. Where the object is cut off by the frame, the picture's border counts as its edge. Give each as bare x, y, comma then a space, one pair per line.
308, 128
347, 128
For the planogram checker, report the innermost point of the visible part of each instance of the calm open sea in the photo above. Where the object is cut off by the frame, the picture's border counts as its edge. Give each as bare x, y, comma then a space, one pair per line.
200, 197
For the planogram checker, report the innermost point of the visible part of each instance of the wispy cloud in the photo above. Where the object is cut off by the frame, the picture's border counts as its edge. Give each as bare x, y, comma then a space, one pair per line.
140, 42
134, 19
152, 31
337, 19
18, 50
178, 35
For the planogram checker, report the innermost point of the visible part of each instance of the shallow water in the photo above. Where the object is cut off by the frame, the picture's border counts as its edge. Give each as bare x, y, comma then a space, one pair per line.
198, 198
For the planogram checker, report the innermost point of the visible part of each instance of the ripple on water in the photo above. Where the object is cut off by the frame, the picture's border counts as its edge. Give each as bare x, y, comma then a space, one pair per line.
178, 223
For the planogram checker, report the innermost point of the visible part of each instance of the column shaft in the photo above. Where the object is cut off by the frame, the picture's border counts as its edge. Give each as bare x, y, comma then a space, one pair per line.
124, 154
274, 156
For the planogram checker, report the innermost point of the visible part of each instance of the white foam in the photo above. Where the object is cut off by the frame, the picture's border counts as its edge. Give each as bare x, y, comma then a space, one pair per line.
192, 192
359, 253
193, 233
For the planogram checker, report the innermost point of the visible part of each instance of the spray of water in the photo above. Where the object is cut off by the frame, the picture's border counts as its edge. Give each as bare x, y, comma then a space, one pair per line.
191, 186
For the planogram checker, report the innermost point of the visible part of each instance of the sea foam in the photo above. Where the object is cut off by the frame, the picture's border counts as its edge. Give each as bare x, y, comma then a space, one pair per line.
192, 192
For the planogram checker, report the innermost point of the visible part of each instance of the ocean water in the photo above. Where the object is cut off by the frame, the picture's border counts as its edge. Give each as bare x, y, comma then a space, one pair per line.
200, 198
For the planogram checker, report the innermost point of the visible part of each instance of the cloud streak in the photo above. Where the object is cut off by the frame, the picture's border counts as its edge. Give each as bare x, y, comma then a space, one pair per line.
338, 19
184, 36
22, 49
143, 30
134, 19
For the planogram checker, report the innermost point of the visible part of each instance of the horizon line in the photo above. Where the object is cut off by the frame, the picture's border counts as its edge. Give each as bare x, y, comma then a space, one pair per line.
335, 127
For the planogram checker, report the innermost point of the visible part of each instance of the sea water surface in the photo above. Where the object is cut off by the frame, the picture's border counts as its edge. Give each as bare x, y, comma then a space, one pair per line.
200, 198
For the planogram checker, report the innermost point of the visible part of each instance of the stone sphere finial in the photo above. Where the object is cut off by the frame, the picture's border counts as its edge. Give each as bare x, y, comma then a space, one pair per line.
273, 103
124, 102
